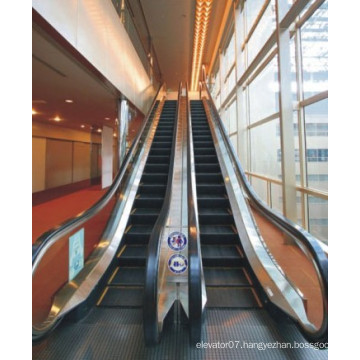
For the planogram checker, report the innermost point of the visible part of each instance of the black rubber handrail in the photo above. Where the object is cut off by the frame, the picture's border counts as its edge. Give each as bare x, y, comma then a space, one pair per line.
194, 248
150, 303
47, 239
308, 243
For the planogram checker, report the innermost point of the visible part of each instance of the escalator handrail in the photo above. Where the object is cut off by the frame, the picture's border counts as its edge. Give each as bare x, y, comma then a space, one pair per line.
50, 237
307, 242
150, 302
194, 248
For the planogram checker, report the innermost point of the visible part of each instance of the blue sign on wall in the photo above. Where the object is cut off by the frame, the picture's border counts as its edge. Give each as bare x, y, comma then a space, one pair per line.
76, 253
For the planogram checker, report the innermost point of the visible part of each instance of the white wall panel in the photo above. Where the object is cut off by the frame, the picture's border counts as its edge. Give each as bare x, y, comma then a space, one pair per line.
106, 156
58, 163
81, 162
38, 164
95, 30
61, 14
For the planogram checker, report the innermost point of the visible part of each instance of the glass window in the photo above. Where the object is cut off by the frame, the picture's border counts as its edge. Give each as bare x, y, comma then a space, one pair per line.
232, 118
264, 93
233, 139
260, 187
294, 87
264, 29
314, 47
228, 58
276, 197
253, 8
240, 55
318, 218
316, 123
264, 150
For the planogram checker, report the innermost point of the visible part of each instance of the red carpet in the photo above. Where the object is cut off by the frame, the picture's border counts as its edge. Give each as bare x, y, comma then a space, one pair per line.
51, 213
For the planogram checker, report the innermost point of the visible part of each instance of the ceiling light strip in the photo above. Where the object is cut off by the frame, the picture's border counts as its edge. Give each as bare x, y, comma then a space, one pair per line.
202, 16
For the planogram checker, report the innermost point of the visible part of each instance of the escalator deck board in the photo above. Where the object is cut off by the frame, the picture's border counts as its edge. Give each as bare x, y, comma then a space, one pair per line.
231, 297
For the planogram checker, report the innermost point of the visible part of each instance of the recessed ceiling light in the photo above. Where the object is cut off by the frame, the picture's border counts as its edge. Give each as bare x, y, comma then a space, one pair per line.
107, 118
56, 118
99, 130
82, 126
69, 101
34, 112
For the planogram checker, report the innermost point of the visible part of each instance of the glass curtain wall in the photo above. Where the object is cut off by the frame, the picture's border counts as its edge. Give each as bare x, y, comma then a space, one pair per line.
245, 87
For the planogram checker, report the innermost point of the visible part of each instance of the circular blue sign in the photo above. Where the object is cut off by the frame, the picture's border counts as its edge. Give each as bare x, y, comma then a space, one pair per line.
178, 263
177, 241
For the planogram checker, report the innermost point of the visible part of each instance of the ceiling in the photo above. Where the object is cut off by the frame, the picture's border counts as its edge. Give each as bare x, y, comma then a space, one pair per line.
57, 76
171, 27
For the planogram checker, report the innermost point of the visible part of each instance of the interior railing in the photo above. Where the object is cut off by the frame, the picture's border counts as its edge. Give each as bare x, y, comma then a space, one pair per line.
152, 327
196, 278
305, 242
55, 293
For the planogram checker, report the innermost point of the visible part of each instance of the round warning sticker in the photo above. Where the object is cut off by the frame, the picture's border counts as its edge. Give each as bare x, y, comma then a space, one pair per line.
177, 241
178, 263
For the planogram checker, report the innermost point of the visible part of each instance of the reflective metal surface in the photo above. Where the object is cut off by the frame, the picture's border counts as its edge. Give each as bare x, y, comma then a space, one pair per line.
197, 288
281, 292
279, 289
76, 291
174, 286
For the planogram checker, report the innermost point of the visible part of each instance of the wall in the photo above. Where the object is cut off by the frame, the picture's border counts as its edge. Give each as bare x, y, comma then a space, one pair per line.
38, 163
95, 30
63, 156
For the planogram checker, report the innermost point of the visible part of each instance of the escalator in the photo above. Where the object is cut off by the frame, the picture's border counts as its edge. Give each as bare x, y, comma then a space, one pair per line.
125, 286
227, 279
236, 306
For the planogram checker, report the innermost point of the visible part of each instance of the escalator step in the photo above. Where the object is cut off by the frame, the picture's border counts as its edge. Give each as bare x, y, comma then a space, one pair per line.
206, 137
202, 144
144, 216
213, 200
148, 202
202, 131
164, 132
133, 255
209, 178
152, 189
204, 151
156, 168
207, 159
225, 276
154, 178
161, 145
210, 168
139, 219
220, 230
123, 296
220, 251
162, 138
231, 297
129, 276
158, 159
216, 218
209, 188
138, 234
218, 238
